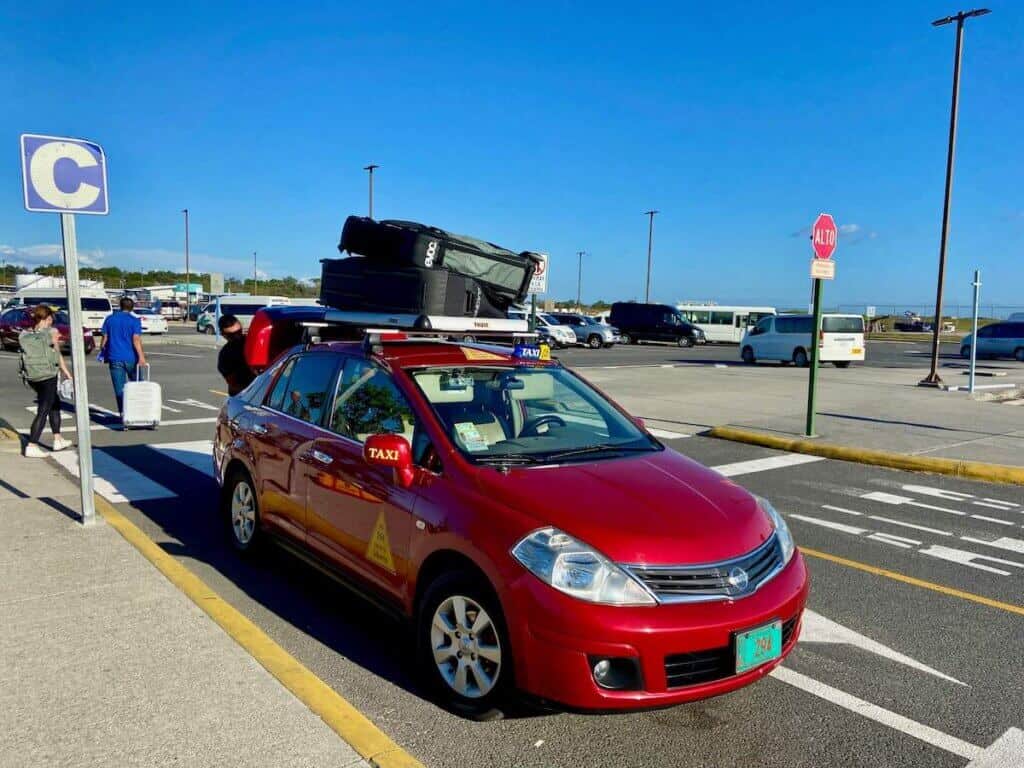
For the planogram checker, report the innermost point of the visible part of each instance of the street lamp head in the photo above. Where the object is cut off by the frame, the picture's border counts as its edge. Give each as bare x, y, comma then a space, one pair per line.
371, 167
960, 17
650, 213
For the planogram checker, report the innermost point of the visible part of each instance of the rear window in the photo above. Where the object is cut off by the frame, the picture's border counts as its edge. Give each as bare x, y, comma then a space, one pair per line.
240, 309
96, 305
842, 324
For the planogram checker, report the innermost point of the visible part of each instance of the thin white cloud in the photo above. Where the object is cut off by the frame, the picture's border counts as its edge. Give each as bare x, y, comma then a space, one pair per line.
47, 253
849, 229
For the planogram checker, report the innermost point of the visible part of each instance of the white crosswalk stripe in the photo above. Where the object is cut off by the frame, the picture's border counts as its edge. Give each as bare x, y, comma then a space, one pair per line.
763, 465
197, 454
114, 480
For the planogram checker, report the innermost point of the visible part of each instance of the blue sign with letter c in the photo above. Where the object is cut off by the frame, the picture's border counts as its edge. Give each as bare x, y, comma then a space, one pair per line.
62, 175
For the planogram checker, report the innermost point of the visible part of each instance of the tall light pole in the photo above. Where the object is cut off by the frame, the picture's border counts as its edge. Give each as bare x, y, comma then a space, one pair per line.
933, 379
579, 282
650, 245
371, 168
188, 273
255, 281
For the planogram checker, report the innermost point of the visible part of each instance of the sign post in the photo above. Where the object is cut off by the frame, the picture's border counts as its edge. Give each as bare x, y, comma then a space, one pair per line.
69, 176
824, 234
538, 284
974, 329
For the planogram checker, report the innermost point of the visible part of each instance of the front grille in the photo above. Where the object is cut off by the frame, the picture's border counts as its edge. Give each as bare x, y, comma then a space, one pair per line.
728, 579
708, 666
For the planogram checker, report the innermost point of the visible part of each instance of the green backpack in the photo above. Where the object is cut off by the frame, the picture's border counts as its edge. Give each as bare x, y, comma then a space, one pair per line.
38, 357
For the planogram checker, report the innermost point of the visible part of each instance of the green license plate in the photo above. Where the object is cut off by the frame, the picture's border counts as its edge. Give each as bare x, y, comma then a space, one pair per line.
758, 646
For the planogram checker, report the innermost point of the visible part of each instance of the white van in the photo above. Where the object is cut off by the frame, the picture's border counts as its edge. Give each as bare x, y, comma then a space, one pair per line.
242, 306
787, 338
723, 324
96, 304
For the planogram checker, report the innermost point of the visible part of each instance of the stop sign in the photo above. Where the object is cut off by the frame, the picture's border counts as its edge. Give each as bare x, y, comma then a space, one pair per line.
823, 236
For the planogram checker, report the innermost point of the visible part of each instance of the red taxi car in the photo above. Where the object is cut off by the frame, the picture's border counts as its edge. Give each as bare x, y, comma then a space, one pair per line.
14, 321
535, 535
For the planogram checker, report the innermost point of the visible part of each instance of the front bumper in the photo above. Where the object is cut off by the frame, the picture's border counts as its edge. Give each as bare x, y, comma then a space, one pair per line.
554, 634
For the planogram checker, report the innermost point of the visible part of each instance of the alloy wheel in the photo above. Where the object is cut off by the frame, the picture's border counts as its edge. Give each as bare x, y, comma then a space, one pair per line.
465, 646
243, 513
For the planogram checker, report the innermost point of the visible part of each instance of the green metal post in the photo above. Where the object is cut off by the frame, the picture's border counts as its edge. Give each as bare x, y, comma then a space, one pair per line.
812, 386
533, 312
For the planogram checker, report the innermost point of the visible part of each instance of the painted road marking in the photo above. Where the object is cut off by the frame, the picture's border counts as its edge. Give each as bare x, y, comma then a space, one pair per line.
34, 409
874, 570
1011, 545
941, 493
892, 498
168, 423
841, 509
196, 404
218, 392
916, 527
853, 530
762, 465
114, 480
666, 434
172, 354
968, 558
168, 408
992, 520
897, 541
195, 454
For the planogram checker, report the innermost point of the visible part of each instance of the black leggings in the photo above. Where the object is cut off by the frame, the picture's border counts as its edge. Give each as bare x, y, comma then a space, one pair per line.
49, 406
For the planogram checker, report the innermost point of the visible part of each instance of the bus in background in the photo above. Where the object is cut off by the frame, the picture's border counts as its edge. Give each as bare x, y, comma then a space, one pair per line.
724, 324
95, 303
787, 339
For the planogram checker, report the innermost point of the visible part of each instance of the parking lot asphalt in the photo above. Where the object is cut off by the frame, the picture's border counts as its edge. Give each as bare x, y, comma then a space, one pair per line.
910, 655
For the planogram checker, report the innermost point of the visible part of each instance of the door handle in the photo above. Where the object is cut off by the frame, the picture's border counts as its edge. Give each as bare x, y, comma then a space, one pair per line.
259, 429
321, 457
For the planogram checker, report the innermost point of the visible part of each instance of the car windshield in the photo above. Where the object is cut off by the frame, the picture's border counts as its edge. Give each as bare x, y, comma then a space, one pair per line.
527, 415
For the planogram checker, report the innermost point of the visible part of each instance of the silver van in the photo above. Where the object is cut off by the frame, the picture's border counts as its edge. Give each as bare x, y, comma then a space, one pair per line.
1004, 339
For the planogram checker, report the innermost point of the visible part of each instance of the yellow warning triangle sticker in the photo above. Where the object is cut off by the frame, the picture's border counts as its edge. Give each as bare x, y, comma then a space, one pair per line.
379, 550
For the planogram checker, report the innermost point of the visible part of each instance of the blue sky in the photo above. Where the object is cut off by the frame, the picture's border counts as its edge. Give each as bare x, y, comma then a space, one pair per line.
546, 126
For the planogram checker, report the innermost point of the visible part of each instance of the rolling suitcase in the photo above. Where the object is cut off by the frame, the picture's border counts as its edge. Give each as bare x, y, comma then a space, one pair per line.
142, 401
357, 284
502, 274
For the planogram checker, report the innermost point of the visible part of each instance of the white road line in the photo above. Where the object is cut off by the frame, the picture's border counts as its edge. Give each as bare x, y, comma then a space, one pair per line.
992, 520
168, 408
196, 404
666, 434
967, 558
1013, 545
829, 524
196, 454
894, 537
841, 509
114, 480
881, 537
762, 465
926, 490
892, 498
916, 527
1010, 504
170, 423
172, 354
871, 711
993, 505
34, 409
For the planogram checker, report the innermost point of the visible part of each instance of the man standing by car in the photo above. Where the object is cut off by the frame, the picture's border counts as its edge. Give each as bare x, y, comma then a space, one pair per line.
231, 362
122, 347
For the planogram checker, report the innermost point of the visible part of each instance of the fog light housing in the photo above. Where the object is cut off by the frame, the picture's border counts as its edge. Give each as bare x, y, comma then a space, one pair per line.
616, 673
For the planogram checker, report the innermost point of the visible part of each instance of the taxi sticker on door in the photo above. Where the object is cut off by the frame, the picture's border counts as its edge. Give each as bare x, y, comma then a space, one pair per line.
379, 550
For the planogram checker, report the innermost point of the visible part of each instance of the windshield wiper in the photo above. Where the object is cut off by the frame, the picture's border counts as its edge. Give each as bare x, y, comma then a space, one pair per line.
599, 448
510, 458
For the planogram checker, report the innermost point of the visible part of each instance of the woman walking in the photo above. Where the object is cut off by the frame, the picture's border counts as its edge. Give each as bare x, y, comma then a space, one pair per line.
40, 361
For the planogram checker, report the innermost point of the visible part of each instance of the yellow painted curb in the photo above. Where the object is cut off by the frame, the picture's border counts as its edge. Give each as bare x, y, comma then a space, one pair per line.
344, 719
974, 470
896, 576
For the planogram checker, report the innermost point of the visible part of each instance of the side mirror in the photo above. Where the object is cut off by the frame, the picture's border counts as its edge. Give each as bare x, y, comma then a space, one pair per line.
391, 451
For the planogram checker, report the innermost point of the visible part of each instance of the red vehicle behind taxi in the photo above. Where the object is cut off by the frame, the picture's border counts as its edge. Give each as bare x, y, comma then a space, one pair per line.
535, 535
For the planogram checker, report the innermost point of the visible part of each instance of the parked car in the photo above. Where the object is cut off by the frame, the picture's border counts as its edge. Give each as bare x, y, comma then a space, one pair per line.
588, 331
1005, 339
14, 321
531, 533
788, 339
653, 322
548, 327
152, 321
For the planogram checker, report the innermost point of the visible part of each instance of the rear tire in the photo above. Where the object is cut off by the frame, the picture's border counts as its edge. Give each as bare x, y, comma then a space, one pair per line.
841, 363
462, 645
594, 341
209, 330
241, 512
748, 356
800, 357
965, 352
1019, 354
625, 338
684, 342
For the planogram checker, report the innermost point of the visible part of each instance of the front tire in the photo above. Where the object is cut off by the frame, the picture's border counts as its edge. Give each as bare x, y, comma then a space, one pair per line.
748, 356
684, 342
594, 341
462, 644
241, 512
625, 338
965, 351
1018, 354
800, 357
209, 330
841, 363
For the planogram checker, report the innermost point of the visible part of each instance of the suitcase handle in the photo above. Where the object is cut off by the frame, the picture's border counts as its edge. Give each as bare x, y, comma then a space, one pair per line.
138, 372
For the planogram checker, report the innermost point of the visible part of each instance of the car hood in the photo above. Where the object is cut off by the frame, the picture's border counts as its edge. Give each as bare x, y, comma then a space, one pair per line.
659, 508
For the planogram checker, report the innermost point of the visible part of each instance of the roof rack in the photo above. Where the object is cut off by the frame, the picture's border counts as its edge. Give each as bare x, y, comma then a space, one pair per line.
375, 338
475, 326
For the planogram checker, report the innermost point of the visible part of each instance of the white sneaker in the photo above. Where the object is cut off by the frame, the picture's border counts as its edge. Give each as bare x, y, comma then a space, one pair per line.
33, 451
60, 443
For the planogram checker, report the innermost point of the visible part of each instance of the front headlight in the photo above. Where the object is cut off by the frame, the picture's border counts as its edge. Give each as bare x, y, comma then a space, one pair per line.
572, 567
781, 529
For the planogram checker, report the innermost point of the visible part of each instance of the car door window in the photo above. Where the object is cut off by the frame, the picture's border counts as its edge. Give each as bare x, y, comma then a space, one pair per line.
309, 386
277, 395
987, 332
368, 402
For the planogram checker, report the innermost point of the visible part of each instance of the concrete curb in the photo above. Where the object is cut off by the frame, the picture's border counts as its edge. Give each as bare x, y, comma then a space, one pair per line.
973, 470
372, 744
10, 440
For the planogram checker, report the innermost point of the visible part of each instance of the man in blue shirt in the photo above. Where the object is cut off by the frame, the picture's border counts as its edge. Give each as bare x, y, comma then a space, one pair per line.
122, 347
